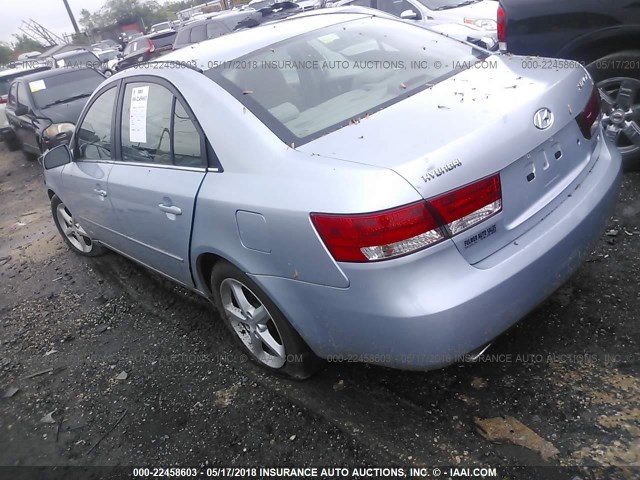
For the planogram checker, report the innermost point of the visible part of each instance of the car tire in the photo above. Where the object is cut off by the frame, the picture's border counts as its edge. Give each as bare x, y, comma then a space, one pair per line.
621, 114
108, 73
12, 143
72, 233
32, 157
271, 342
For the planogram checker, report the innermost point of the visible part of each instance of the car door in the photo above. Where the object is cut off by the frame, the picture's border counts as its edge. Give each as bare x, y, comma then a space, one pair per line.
85, 189
22, 124
161, 163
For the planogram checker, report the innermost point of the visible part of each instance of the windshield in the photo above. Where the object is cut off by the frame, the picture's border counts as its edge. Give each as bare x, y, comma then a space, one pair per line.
70, 84
445, 4
309, 85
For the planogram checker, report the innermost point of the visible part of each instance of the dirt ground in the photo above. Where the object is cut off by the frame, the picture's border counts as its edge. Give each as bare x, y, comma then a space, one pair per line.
116, 366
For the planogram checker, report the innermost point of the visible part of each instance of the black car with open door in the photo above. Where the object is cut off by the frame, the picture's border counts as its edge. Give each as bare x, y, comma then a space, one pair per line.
43, 108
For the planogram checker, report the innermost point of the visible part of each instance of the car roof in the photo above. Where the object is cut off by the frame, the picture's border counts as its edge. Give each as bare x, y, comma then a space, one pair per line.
160, 34
20, 72
221, 17
228, 47
51, 73
61, 56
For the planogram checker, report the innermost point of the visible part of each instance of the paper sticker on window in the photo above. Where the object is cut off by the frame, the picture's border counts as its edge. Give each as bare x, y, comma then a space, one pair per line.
138, 115
37, 86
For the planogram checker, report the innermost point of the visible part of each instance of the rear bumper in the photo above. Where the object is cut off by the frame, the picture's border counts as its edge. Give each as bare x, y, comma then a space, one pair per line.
429, 309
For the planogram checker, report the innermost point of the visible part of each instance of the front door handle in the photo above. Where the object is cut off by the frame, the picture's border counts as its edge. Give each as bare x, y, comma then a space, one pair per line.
170, 209
102, 193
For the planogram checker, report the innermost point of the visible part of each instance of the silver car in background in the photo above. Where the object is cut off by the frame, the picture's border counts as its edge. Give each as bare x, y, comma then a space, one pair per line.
344, 186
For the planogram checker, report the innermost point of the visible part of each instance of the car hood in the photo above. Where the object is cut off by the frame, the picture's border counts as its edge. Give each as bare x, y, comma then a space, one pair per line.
466, 127
67, 112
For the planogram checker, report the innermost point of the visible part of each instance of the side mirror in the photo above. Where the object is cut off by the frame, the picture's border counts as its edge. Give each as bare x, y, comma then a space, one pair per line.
21, 110
409, 15
56, 157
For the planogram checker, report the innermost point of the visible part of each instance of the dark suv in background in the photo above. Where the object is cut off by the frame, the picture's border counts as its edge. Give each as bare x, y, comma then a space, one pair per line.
146, 48
602, 35
212, 27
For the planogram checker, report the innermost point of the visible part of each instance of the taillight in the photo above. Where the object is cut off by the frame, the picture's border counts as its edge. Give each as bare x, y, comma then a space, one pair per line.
502, 28
3, 99
588, 118
463, 208
407, 229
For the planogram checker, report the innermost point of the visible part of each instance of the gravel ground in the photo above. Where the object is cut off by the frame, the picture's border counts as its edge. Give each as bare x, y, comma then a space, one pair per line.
116, 366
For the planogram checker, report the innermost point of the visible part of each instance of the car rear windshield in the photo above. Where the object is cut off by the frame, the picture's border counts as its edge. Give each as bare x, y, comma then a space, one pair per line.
68, 85
160, 41
312, 84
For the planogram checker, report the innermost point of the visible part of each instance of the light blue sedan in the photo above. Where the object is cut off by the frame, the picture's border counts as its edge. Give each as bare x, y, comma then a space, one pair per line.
343, 186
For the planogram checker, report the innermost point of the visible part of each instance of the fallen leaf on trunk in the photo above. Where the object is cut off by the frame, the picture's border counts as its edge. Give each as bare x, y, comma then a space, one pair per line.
509, 429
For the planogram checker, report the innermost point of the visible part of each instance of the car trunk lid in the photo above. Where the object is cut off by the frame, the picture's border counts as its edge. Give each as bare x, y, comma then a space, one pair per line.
473, 125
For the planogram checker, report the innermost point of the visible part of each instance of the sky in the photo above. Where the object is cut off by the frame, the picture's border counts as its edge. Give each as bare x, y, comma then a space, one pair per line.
49, 13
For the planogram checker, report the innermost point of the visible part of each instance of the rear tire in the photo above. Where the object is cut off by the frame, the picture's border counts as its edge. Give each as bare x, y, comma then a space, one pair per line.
258, 326
610, 74
72, 233
11, 141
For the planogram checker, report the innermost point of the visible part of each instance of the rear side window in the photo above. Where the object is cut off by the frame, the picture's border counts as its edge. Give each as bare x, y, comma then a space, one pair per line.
94, 133
183, 36
186, 139
198, 34
216, 29
157, 129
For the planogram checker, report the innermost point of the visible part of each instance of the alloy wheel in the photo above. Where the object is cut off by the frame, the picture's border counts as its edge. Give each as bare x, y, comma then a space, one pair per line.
253, 323
621, 113
72, 230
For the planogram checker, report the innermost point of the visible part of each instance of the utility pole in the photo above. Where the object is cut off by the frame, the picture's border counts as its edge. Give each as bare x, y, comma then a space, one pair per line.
73, 19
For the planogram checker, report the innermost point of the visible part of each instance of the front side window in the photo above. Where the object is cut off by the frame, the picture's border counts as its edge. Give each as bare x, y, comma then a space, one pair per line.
311, 84
94, 133
22, 97
13, 94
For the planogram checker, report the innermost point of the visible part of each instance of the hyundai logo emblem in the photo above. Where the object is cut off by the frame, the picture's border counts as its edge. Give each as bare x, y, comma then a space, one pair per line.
543, 119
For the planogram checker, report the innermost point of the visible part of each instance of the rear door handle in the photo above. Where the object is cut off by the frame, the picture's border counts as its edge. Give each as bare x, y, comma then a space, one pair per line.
102, 193
170, 209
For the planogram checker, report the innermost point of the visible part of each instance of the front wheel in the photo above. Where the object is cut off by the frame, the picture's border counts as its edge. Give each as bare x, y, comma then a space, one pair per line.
73, 234
258, 326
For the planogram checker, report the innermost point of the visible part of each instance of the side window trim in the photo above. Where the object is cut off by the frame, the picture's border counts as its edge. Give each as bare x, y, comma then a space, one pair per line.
103, 90
211, 158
